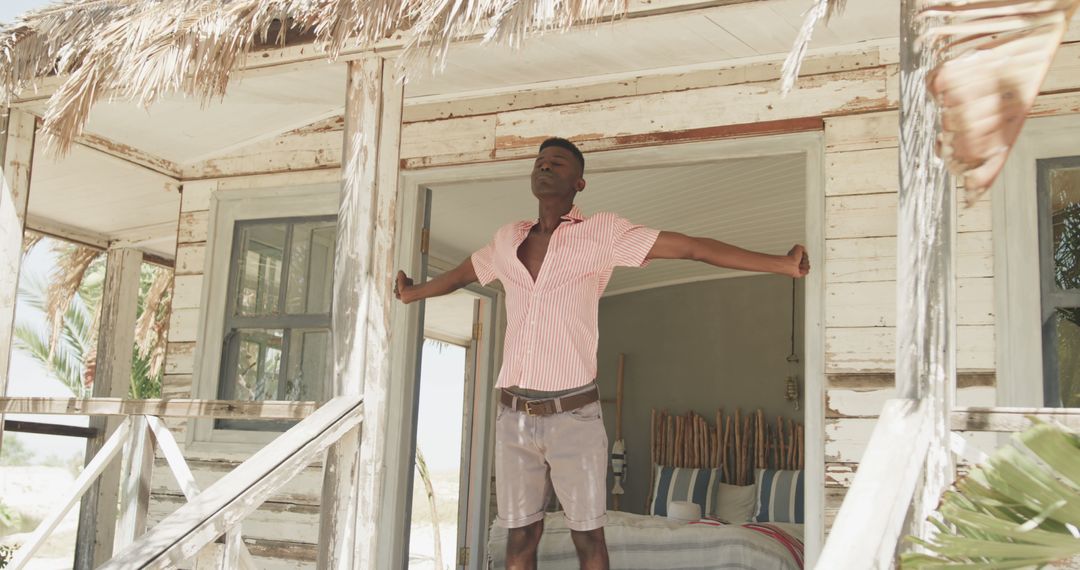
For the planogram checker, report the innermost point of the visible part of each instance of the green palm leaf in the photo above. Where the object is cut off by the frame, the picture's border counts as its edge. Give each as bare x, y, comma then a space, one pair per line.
1021, 509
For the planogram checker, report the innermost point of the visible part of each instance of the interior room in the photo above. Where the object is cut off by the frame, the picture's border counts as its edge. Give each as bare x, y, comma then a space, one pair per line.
694, 339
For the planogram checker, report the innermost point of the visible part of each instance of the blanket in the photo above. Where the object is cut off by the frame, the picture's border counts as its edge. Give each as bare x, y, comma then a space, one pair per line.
639, 542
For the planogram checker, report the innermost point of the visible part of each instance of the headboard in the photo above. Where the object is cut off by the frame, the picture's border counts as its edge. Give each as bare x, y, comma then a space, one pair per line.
736, 443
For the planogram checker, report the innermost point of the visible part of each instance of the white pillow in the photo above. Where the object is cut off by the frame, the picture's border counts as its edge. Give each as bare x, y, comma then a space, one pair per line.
735, 504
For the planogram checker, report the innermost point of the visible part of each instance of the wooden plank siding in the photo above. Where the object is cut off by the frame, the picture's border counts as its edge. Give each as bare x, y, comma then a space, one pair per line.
851, 96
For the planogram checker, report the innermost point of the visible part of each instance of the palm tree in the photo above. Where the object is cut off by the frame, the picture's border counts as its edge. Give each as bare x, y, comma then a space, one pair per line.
66, 345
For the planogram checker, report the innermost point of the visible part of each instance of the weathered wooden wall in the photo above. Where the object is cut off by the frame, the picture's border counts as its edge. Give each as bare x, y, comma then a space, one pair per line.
851, 96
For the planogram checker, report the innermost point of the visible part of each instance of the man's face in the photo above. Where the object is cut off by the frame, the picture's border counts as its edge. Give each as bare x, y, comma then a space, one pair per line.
556, 172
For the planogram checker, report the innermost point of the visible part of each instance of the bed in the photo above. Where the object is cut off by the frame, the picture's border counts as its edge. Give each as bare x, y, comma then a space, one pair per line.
641, 542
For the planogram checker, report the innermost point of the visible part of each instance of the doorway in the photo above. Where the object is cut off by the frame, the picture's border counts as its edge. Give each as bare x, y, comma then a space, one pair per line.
483, 197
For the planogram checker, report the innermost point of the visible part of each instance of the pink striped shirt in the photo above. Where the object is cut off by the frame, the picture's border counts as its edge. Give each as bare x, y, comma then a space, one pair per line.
551, 325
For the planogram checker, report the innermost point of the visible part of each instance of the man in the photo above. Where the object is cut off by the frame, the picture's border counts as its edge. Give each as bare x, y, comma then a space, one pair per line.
549, 427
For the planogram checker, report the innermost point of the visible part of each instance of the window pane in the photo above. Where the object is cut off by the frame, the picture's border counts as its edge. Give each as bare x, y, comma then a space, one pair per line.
311, 268
262, 248
1068, 356
1065, 215
257, 367
309, 358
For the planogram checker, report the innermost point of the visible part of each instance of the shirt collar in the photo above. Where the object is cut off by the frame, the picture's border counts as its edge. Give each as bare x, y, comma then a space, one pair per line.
574, 215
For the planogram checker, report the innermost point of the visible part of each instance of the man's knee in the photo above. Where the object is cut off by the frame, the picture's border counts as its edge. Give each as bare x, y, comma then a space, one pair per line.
526, 538
589, 541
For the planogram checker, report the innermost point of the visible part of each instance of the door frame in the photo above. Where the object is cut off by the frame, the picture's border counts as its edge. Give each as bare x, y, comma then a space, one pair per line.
809, 144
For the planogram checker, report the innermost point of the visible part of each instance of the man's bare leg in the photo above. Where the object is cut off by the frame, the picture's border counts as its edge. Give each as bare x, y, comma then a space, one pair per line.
591, 549
521, 546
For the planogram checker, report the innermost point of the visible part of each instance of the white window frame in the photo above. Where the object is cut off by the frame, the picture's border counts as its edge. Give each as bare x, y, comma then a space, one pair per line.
1017, 285
227, 208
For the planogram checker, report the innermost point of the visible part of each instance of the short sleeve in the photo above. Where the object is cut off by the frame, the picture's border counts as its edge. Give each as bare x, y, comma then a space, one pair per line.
631, 243
483, 261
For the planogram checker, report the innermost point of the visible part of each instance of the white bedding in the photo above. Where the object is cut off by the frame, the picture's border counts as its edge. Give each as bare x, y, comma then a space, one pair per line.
639, 542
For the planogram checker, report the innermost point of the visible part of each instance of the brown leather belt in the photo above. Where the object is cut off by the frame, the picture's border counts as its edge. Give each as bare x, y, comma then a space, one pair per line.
548, 406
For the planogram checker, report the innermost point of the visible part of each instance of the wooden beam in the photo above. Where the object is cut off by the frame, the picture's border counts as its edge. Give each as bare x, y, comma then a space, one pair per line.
138, 464
167, 408
870, 523
186, 531
49, 429
130, 155
112, 378
1010, 419
16, 160
349, 533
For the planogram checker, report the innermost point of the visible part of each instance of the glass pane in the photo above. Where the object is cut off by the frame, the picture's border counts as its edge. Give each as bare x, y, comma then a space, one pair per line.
257, 364
1068, 357
262, 248
1065, 213
438, 457
309, 357
311, 268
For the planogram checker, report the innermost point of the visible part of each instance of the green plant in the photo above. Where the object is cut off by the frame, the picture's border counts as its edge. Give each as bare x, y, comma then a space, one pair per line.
1021, 509
9, 517
7, 552
70, 305
14, 451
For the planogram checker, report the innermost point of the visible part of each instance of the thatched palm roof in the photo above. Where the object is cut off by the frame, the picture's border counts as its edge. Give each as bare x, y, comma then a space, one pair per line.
141, 50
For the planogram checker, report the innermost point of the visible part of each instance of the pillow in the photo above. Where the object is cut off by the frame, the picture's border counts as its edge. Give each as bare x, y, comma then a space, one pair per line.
684, 484
735, 503
779, 496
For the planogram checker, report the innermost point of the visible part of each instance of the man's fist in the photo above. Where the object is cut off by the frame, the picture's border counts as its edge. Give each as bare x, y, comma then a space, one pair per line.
402, 284
799, 262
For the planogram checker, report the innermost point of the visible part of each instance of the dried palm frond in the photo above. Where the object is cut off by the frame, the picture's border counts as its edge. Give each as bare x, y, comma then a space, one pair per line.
990, 57
151, 328
142, 50
821, 10
30, 239
67, 279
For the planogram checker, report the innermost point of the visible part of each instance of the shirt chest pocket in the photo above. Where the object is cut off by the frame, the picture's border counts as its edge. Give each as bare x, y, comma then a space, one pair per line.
574, 261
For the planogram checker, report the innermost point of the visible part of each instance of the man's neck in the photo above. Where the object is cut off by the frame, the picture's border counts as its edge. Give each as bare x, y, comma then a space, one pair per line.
551, 214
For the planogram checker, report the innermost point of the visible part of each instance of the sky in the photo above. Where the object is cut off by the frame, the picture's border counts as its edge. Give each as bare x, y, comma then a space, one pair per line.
10, 9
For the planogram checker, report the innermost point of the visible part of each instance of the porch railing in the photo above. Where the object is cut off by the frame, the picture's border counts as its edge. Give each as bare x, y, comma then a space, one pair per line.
209, 514
875, 517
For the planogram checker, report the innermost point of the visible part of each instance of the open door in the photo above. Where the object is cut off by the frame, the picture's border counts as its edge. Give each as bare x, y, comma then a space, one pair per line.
452, 440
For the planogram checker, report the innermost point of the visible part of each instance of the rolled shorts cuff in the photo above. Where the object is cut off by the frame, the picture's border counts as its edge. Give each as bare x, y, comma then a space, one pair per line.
518, 523
591, 524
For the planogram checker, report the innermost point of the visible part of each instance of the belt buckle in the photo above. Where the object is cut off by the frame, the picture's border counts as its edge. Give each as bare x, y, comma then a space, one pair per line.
539, 407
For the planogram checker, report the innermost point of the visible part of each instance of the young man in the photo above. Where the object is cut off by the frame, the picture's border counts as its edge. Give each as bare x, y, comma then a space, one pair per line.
549, 428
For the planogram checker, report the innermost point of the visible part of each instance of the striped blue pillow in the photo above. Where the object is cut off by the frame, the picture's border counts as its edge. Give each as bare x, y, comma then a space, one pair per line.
779, 496
685, 484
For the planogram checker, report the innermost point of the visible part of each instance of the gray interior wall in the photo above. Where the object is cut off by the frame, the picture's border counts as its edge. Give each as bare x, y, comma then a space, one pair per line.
698, 346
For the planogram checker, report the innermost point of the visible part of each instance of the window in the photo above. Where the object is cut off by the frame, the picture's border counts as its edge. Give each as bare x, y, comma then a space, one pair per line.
1058, 186
276, 343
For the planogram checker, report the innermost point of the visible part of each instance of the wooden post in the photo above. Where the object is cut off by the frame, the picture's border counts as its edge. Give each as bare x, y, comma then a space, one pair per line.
351, 533
926, 312
135, 484
112, 378
17, 155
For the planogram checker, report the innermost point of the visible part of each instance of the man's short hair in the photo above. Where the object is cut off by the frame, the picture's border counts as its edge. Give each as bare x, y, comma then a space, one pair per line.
563, 143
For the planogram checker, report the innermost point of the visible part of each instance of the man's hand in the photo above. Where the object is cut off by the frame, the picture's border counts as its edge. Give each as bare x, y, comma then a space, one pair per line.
798, 261
402, 287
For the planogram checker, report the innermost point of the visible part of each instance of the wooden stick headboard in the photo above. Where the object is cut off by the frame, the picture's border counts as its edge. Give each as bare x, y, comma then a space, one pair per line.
736, 444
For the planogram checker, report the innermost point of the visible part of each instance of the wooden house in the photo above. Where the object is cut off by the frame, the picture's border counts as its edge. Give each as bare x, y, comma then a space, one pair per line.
677, 107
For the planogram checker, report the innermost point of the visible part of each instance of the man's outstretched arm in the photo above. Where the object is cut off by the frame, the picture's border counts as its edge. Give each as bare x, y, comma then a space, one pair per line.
442, 284
672, 245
